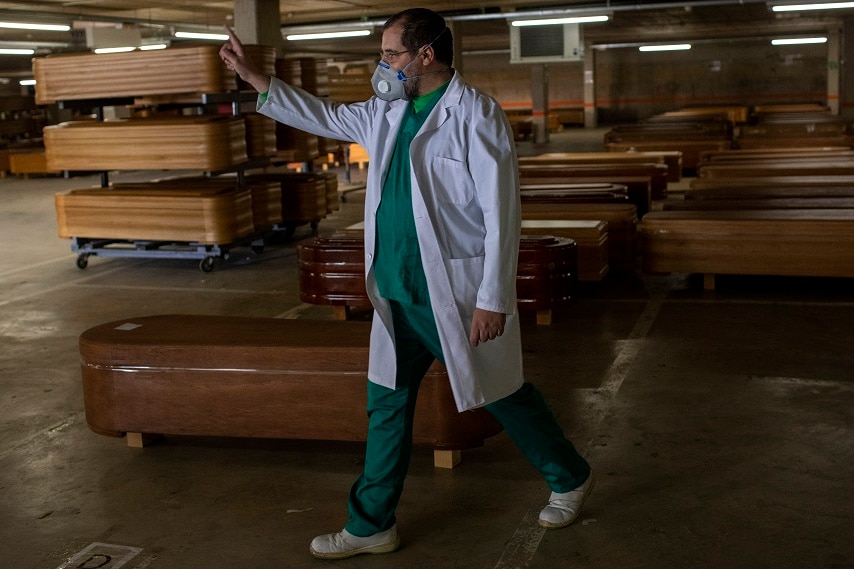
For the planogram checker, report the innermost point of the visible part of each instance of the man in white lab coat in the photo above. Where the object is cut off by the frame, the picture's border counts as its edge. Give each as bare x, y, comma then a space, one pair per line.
442, 222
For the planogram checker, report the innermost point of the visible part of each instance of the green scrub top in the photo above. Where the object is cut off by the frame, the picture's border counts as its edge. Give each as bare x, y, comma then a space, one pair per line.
397, 265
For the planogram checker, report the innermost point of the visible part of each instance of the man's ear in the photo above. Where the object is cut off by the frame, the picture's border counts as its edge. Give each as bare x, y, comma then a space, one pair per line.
429, 55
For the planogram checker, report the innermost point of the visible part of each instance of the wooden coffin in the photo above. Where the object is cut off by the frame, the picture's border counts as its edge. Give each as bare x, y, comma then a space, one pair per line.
590, 236
622, 223
206, 216
762, 203
251, 377
304, 196
332, 271
588, 193
260, 136
758, 242
195, 143
787, 181
767, 168
28, 162
175, 70
672, 158
690, 149
266, 196
656, 173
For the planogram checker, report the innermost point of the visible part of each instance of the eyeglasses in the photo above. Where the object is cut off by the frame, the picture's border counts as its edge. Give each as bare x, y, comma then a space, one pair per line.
391, 56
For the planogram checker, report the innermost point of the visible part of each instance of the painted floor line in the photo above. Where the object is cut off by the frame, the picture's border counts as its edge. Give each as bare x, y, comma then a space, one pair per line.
522, 547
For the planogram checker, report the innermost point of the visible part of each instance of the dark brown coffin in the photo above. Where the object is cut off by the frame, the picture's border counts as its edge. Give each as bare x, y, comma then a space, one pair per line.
332, 271
251, 377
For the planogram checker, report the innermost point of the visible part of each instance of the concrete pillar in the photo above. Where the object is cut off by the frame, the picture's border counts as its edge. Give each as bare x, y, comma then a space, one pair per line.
846, 99
259, 22
834, 59
590, 118
540, 102
457, 31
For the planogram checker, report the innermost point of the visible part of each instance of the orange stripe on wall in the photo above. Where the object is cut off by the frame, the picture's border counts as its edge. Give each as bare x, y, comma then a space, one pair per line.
680, 100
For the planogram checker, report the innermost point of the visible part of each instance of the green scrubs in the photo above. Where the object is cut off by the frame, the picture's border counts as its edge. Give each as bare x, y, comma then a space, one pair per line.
400, 279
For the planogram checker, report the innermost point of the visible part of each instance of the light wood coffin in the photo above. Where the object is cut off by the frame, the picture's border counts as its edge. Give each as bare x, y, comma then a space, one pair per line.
176, 70
622, 222
590, 236
266, 195
332, 271
251, 377
195, 143
205, 216
757, 242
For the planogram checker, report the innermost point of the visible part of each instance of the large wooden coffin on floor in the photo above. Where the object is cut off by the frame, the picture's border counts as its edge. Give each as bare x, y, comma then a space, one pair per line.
622, 222
332, 272
760, 242
251, 377
195, 143
201, 215
197, 69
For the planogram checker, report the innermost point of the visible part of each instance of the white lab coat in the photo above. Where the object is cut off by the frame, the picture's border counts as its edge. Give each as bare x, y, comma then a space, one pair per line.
465, 198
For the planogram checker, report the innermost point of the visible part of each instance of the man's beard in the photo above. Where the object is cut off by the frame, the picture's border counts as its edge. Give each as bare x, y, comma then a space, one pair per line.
411, 88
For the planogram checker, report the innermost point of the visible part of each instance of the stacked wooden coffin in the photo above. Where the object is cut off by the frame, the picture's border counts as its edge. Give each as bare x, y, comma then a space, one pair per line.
199, 143
206, 216
177, 70
781, 212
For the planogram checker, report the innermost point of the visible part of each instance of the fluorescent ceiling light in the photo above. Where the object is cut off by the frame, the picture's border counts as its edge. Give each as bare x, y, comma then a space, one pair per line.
550, 21
328, 35
115, 49
8, 51
822, 6
46, 27
674, 47
195, 36
797, 41
27, 82
152, 46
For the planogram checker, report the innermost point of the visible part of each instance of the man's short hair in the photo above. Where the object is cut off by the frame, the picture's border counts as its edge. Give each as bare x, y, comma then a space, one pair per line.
423, 27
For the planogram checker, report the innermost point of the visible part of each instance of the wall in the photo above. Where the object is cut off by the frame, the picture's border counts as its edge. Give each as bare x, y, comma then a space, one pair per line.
632, 86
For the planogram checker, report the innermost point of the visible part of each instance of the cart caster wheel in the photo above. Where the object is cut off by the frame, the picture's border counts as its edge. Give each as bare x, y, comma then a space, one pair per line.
314, 225
289, 232
257, 249
206, 264
82, 261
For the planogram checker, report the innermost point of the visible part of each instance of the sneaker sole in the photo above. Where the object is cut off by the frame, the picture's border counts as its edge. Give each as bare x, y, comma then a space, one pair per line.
550, 525
373, 549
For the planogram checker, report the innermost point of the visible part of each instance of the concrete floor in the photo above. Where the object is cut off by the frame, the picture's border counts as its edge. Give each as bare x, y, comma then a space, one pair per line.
720, 425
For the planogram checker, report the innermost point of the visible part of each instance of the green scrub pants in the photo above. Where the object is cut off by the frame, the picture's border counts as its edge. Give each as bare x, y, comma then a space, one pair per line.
524, 415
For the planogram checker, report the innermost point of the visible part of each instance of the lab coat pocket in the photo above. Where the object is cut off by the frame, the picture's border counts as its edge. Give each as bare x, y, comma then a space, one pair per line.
452, 181
465, 276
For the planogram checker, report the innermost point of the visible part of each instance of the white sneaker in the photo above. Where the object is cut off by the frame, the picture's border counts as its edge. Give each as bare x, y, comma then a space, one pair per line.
563, 509
344, 544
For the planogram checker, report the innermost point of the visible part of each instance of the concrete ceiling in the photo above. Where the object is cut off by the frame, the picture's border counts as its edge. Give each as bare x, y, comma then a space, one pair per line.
482, 24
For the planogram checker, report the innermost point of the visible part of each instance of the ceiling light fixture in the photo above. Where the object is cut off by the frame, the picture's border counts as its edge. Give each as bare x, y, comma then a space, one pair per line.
152, 46
27, 82
198, 36
673, 47
551, 21
11, 51
821, 6
115, 49
328, 35
797, 41
44, 27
